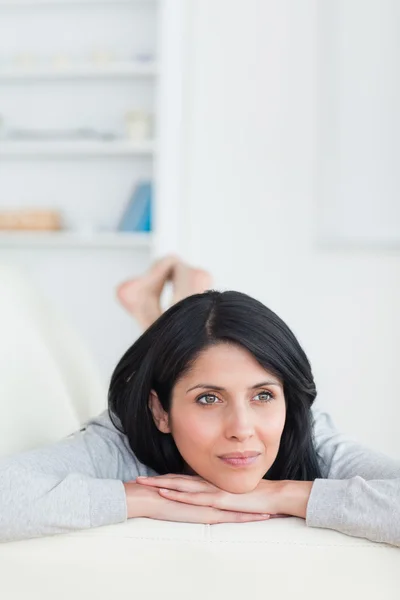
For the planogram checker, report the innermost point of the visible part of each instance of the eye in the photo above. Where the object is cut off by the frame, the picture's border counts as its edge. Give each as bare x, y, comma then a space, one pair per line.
267, 396
206, 396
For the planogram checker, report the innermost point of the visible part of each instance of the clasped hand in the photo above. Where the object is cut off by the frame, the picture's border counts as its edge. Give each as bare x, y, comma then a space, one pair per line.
263, 501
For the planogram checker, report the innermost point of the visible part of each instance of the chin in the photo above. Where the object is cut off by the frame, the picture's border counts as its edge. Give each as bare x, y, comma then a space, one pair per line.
238, 484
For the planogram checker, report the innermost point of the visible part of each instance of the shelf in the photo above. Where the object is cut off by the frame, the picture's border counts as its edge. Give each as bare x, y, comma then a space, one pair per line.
66, 239
34, 3
81, 71
74, 148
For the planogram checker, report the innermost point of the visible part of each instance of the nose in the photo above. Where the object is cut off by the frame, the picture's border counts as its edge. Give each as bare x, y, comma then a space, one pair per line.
239, 422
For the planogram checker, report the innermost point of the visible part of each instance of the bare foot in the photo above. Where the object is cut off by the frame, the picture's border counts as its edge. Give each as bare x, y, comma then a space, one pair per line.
141, 296
187, 281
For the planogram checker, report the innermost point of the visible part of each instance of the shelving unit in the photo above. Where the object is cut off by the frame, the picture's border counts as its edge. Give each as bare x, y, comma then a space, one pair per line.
90, 181
73, 72
161, 164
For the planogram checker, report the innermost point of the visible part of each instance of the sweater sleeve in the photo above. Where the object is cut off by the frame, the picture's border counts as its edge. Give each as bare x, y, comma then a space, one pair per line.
70, 485
361, 493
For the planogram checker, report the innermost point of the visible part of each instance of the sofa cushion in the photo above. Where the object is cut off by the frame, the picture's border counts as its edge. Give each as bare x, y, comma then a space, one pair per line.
145, 558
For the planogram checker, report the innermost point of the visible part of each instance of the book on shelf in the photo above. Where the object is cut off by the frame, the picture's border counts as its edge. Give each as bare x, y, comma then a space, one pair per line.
137, 215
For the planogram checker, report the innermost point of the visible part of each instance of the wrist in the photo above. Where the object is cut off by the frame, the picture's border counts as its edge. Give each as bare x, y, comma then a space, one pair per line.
137, 500
294, 498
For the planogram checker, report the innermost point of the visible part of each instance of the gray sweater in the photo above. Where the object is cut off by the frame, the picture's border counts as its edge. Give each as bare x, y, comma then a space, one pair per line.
77, 483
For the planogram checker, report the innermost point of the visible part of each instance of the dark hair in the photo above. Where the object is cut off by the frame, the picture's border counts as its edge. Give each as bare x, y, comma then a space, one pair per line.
164, 352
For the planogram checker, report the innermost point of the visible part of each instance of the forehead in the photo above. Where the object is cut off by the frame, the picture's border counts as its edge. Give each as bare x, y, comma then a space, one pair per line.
226, 361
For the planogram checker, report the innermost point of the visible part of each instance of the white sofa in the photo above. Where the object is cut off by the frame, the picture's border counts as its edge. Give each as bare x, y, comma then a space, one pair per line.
48, 386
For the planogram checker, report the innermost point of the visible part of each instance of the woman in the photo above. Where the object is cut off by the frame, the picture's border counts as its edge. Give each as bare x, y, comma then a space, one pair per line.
209, 421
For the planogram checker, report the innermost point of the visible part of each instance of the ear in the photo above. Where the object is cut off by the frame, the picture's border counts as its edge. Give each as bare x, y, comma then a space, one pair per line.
159, 415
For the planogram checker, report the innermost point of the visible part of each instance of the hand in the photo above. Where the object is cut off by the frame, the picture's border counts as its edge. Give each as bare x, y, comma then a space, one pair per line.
146, 501
265, 498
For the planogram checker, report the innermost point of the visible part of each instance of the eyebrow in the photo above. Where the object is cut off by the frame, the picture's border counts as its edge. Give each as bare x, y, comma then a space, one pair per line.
221, 389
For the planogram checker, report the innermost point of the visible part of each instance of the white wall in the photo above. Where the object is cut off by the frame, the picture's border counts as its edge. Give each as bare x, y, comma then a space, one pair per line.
359, 87
252, 121
251, 151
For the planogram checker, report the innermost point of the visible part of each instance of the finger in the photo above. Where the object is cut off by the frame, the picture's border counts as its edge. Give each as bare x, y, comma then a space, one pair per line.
197, 498
177, 484
207, 515
225, 516
172, 476
163, 478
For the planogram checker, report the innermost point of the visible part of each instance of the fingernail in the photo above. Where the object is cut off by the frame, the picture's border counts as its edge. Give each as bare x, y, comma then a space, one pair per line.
142, 477
266, 516
164, 490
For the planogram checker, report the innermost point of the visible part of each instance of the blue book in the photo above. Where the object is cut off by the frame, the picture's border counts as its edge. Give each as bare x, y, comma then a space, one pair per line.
137, 215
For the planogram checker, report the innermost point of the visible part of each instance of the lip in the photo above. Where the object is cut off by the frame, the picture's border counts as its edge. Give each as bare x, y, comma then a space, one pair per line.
248, 454
240, 462
240, 459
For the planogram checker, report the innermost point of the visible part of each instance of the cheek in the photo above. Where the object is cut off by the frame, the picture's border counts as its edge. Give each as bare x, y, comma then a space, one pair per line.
191, 433
271, 429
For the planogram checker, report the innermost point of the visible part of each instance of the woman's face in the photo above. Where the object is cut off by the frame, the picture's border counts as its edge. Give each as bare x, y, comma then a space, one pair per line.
227, 403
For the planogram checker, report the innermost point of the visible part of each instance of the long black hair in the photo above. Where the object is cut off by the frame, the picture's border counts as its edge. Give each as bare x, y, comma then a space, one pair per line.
165, 351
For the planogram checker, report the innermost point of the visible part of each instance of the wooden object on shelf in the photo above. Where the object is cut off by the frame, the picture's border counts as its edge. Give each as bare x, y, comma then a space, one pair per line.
30, 220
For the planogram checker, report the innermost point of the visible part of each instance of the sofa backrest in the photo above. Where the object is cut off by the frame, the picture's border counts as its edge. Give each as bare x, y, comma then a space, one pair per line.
49, 382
